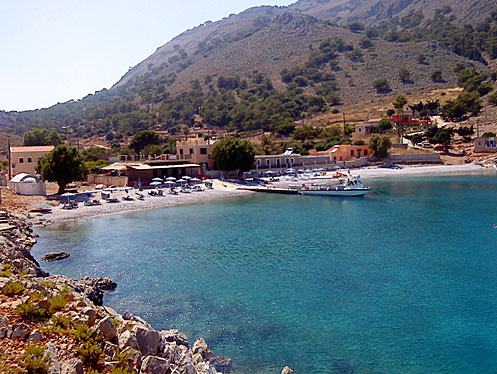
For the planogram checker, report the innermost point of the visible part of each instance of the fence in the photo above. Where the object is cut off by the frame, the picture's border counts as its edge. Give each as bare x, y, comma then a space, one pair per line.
108, 180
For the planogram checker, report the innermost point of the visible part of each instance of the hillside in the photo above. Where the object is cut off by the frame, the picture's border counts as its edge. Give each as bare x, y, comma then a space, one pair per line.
374, 11
270, 66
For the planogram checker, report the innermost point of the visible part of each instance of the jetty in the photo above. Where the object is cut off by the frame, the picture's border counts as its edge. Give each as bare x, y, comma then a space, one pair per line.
283, 191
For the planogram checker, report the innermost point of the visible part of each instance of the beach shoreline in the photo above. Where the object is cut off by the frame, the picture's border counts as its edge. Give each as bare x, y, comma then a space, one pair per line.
224, 189
221, 190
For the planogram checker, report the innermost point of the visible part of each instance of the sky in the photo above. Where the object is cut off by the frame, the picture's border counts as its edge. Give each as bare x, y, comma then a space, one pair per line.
57, 50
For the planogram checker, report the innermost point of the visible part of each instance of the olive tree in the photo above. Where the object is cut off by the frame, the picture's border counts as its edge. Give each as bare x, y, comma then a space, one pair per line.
380, 144
234, 154
62, 165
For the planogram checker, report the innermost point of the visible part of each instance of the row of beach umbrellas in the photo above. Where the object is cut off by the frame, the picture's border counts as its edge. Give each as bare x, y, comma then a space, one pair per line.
172, 180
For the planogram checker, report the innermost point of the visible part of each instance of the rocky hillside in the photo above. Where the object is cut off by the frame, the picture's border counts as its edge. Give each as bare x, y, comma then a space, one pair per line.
375, 11
205, 76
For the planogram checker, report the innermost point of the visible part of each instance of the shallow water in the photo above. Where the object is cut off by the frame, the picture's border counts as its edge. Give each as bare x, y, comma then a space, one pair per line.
324, 285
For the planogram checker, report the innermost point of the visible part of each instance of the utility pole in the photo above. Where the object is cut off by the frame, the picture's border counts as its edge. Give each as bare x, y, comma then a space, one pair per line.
344, 125
10, 160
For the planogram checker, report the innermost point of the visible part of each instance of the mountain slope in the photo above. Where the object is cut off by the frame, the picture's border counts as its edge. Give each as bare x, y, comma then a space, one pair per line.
173, 87
374, 11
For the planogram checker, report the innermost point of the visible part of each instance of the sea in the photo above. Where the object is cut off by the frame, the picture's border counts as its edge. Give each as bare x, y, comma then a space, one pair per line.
403, 280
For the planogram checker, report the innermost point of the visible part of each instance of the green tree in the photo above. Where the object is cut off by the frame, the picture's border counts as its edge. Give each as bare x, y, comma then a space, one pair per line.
144, 138
436, 75
381, 85
380, 144
404, 75
234, 154
38, 137
62, 165
443, 136
384, 125
400, 102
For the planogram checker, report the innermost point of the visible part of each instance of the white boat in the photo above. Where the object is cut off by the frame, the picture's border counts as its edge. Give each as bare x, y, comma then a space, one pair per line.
353, 187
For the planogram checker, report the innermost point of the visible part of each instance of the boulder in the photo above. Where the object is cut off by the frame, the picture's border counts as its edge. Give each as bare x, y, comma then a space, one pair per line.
127, 340
35, 336
92, 315
174, 336
171, 352
154, 365
222, 364
4, 326
72, 366
200, 347
135, 358
107, 329
20, 331
148, 340
55, 256
287, 370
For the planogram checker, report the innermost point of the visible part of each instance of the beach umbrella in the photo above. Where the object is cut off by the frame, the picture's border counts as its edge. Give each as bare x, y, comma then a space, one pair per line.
155, 183
156, 180
269, 172
196, 180
110, 189
187, 177
67, 194
169, 183
181, 180
171, 179
208, 181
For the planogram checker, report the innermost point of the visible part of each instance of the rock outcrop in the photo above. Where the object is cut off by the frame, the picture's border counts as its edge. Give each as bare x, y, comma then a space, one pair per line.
55, 256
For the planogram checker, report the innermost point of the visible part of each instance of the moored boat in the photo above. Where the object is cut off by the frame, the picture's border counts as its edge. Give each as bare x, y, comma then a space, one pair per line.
353, 187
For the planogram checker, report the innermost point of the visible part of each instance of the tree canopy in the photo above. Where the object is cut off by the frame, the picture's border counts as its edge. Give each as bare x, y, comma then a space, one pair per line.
37, 137
143, 139
62, 165
234, 154
380, 144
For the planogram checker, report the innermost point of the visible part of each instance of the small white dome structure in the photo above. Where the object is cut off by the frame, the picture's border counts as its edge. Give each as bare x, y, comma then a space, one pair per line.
27, 184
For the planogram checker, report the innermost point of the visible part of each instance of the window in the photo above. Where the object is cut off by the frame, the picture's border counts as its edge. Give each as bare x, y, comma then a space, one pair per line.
291, 160
203, 151
360, 130
259, 162
181, 151
191, 151
30, 160
352, 153
268, 162
21, 160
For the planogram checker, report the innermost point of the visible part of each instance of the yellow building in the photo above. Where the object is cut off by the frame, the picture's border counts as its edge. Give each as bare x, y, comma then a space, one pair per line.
197, 151
24, 159
345, 152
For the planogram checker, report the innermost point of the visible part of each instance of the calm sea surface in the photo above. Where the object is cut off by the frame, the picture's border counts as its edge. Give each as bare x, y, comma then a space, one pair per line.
324, 285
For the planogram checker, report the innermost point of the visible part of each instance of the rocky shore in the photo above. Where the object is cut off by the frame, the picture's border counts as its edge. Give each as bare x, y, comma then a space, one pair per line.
56, 325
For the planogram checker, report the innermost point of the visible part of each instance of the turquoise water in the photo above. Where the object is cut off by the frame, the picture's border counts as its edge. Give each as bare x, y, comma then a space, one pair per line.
324, 285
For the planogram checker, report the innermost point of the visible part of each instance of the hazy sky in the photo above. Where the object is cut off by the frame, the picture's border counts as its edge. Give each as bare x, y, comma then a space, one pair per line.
56, 50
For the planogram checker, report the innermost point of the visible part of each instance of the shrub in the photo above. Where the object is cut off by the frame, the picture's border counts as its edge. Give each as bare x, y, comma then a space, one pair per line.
6, 271
436, 76
13, 288
91, 354
58, 302
381, 85
35, 361
404, 75
29, 311
492, 99
59, 324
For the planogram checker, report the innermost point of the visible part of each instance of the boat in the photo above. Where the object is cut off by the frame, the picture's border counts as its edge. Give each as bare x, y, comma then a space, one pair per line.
353, 187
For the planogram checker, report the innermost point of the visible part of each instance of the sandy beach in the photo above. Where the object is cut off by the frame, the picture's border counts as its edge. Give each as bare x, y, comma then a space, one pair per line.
220, 190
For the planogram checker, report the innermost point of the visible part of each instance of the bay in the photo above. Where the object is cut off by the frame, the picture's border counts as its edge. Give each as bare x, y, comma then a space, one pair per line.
401, 281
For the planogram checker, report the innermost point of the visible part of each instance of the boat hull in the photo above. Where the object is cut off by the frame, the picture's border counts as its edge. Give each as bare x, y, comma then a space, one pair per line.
344, 193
